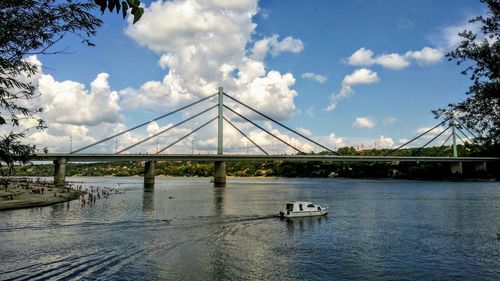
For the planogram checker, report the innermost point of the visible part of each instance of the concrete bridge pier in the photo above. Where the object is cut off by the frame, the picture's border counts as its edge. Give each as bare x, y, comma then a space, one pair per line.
149, 175
480, 166
60, 171
220, 173
456, 168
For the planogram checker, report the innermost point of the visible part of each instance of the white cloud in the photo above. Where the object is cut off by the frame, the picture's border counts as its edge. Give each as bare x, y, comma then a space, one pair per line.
361, 57
359, 76
426, 56
316, 77
304, 131
204, 44
271, 95
364, 123
365, 57
289, 44
275, 47
334, 141
393, 61
68, 102
385, 142
449, 38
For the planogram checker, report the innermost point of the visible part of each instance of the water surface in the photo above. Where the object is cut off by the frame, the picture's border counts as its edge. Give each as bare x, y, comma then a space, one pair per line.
188, 230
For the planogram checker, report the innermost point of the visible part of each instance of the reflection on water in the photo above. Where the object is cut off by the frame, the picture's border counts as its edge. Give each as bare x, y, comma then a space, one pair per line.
303, 223
186, 229
219, 192
148, 202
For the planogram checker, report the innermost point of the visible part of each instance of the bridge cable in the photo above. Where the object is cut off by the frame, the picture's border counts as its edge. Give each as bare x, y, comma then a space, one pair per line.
435, 137
140, 125
187, 135
247, 137
444, 143
256, 125
392, 151
460, 138
282, 125
463, 134
167, 129
465, 127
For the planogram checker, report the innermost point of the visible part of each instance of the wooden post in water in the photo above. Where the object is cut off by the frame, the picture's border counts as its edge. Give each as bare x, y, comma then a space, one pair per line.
60, 171
149, 175
220, 166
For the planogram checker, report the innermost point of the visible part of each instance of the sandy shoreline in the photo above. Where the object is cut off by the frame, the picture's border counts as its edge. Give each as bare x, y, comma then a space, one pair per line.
19, 194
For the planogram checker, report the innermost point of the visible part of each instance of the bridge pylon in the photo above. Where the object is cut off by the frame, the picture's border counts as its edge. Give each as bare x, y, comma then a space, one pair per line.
220, 166
456, 167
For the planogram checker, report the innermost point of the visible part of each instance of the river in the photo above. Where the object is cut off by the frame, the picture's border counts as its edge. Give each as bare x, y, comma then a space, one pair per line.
188, 230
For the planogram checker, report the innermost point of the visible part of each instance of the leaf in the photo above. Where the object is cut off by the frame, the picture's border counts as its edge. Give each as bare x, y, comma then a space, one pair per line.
117, 6
102, 4
124, 8
137, 14
111, 5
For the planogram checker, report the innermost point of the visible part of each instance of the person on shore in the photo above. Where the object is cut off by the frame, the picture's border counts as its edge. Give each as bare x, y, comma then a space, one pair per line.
42, 189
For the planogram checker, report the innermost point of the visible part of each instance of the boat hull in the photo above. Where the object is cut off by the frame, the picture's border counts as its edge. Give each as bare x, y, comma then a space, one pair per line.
303, 214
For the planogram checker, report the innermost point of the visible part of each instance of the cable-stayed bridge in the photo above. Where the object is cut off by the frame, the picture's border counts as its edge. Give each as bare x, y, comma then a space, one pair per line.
123, 154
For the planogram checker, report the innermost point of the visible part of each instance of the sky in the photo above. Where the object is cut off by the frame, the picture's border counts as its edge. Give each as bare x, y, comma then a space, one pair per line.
345, 73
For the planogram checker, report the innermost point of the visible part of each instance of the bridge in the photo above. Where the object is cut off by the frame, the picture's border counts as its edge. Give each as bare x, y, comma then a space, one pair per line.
61, 159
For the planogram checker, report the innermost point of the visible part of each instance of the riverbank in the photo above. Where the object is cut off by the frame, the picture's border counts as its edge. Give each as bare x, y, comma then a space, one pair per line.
22, 193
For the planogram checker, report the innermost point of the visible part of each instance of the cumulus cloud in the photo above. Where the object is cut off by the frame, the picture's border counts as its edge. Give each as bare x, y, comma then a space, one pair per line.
392, 61
316, 77
334, 141
365, 57
70, 103
363, 123
358, 77
275, 47
72, 111
77, 116
385, 142
362, 56
204, 44
425, 56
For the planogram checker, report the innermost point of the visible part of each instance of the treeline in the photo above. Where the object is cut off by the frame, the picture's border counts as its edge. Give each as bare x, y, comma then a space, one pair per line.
424, 170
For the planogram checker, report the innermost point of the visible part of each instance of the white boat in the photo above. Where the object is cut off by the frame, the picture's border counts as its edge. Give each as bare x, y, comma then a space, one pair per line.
302, 209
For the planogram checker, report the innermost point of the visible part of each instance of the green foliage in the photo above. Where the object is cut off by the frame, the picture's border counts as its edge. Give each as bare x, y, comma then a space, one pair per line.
12, 150
29, 27
480, 53
132, 5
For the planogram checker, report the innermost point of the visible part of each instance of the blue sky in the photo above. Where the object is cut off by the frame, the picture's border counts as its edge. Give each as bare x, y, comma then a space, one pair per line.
379, 63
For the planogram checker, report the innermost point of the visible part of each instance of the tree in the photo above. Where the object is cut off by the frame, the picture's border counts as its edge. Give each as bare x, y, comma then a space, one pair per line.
133, 5
480, 53
30, 27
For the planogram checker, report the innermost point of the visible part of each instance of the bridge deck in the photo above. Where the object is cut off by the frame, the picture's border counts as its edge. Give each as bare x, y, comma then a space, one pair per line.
239, 157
